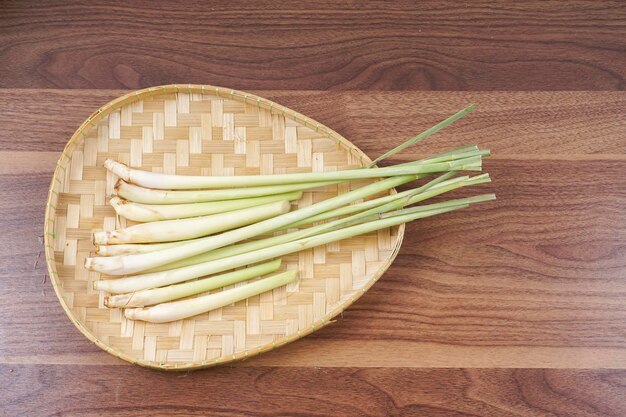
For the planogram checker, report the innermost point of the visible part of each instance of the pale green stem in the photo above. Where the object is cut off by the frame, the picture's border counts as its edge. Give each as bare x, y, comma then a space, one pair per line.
121, 265
137, 194
178, 310
178, 182
194, 227
354, 208
174, 292
159, 279
446, 204
283, 238
157, 212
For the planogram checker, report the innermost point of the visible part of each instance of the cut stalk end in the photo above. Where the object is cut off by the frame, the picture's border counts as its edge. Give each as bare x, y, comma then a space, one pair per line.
118, 169
119, 183
100, 237
132, 313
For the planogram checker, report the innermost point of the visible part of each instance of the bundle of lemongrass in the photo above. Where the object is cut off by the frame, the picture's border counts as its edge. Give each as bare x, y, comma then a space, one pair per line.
195, 226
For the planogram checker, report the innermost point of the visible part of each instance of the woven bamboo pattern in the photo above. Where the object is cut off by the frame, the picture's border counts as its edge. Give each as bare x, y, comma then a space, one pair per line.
204, 130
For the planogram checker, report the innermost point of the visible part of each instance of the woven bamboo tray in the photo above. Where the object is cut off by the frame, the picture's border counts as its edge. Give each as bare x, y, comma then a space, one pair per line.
204, 130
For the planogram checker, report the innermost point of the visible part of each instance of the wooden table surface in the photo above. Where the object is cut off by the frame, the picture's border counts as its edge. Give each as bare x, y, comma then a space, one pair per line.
511, 308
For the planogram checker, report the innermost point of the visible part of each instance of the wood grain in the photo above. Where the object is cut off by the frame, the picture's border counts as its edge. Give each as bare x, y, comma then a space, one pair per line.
479, 308
533, 279
539, 124
490, 282
427, 45
128, 391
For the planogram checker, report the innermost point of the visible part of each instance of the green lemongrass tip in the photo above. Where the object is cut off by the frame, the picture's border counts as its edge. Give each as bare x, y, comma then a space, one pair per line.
476, 166
443, 177
355, 208
478, 198
478, 179
464, 202
437, 182
449, 157
182, 309
424, 134
452, 185
159, 279
174, 292
122, 265
460, 164
472, 163
460, 201
405, 199
422, 213
394, 208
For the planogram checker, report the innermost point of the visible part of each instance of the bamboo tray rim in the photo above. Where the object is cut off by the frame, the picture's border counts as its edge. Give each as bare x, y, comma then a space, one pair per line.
226, 93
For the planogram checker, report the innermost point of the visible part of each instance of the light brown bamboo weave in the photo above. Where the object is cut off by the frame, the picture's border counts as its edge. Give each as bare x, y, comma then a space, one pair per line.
194, 130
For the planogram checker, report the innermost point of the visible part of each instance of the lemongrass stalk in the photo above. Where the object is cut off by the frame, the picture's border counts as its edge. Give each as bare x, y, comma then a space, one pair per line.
143, 195
247, 246
425, 134
355, 208
477, 154
181, 182
362, 217
178, 310
182, 229
121, 265
477, 179
128, 249
134, 248
465, 202
435, 189
174, 292
156, 212
159, 279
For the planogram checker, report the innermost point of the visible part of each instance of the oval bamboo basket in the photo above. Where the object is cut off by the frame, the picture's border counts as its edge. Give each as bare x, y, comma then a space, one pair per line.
204, 130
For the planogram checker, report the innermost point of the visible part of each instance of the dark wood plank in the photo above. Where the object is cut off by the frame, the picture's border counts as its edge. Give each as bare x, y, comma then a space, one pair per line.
536, 125
130, 391
540, 124
403, 45
44, 120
